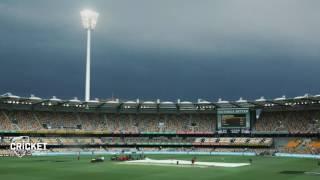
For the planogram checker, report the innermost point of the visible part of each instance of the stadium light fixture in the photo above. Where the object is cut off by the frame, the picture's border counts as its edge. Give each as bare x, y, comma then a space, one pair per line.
89, 21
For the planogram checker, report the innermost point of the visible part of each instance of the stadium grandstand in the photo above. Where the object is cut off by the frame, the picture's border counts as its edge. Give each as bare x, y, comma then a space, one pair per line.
261, 126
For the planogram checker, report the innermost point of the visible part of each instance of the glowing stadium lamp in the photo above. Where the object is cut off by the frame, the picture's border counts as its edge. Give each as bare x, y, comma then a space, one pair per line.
89, 21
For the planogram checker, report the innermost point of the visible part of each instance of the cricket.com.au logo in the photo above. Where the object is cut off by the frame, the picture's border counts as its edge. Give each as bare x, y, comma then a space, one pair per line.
22, 146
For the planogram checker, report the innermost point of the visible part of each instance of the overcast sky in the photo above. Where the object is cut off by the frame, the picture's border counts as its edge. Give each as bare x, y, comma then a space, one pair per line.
165, 49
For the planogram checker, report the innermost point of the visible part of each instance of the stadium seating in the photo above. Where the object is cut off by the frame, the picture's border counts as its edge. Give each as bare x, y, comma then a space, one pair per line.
280, 121
315, 144
293, 143
289, 121
116, 123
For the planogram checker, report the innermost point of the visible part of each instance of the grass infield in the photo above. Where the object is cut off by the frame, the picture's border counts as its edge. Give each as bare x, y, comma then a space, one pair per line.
69, 168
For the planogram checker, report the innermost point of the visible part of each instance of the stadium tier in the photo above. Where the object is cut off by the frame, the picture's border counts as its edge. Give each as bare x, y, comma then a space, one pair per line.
293, 122
115, 123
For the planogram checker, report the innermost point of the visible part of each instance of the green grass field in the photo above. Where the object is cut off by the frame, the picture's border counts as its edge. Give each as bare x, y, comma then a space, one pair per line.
69, 168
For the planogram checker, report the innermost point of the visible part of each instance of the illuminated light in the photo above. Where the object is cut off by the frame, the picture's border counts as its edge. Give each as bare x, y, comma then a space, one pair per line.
89, 18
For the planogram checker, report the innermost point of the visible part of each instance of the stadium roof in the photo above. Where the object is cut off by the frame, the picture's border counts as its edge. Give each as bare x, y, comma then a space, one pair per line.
116, 104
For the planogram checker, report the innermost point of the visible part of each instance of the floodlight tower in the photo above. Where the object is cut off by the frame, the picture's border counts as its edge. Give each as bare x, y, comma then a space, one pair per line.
89, 21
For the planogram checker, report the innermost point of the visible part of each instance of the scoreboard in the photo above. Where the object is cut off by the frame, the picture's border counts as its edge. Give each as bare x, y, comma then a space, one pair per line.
234, 118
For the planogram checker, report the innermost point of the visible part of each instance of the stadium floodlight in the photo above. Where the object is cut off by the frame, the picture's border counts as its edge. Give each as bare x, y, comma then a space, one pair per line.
89, 20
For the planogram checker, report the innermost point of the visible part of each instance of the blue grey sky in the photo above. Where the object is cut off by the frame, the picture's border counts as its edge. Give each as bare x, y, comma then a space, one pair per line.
165, 49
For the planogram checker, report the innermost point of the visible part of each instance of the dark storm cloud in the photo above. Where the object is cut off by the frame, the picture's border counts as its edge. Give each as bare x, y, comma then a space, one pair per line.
164, 49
